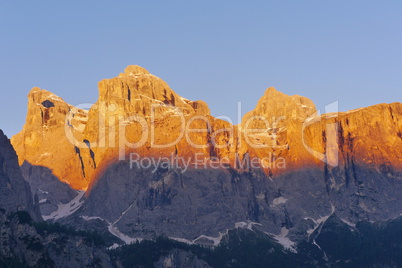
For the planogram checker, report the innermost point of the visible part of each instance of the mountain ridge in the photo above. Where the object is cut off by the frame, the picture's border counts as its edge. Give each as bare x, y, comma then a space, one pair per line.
138, 93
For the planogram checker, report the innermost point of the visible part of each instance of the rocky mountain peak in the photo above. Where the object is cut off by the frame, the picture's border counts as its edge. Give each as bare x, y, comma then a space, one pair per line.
46, 139
38, 95
279, 109
137, 91
272, 92
56, 132
276, 103
135, 69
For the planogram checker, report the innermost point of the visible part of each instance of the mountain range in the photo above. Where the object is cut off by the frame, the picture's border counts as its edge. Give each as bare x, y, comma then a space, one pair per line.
143, 163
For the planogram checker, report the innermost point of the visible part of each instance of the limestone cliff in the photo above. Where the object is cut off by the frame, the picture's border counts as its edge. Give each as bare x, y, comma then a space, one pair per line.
289, 127
72, 142
47, 138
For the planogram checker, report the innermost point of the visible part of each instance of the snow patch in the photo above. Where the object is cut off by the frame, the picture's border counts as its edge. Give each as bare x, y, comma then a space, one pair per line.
89, 218
185, 100
318, 246
113, 229
246, 225
122, 214
217, 240
44, 154
314, 118
317, 222
260, 196
284, 241
126, 239
182, 240
279, 200
151, 98
54, 97
42, 192
348, 223
67, 209
355, 110
320, 220
114, 246
281, 238
331, 115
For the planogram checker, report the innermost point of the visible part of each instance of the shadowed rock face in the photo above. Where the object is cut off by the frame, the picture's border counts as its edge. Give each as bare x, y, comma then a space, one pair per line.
142, 203
21, 243
14, 190
50, 191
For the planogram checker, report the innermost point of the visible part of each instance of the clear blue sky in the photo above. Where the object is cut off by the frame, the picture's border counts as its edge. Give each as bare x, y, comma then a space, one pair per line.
218, 51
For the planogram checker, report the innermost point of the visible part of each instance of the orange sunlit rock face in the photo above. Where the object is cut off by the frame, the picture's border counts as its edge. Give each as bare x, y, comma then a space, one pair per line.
138, 115
43, 140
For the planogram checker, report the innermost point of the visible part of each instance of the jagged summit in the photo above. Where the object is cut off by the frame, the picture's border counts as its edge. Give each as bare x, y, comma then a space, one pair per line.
33, 90
44, 139
271, 91
275, 104
37, 96
137, 91
135, 69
